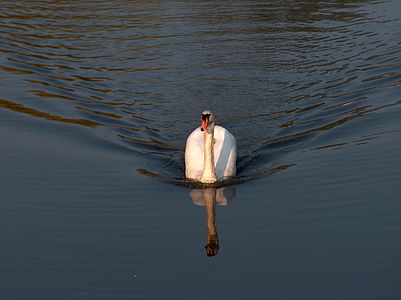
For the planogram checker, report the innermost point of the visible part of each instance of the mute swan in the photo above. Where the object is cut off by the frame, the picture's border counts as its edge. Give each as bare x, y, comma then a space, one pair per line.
210, 152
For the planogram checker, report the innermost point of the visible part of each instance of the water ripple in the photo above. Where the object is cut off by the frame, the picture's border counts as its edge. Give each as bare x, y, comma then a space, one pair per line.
277, 76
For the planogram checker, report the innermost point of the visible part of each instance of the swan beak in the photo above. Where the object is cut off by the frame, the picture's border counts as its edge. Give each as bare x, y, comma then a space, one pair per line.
204, 124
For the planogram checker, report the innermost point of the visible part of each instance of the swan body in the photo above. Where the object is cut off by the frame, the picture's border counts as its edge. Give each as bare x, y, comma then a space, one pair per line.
211, 153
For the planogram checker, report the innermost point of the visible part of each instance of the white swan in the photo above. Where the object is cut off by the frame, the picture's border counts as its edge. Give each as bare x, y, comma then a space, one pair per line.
210, 152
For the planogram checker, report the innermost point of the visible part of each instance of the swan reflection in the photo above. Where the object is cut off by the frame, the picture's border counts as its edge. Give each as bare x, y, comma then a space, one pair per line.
208, 198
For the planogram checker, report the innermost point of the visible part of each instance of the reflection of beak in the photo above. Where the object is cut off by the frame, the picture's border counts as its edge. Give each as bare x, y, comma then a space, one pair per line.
212, 248
204, 124
210, 251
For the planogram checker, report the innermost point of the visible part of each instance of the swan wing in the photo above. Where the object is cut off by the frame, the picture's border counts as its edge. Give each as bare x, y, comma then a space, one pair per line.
194, 155
225, 153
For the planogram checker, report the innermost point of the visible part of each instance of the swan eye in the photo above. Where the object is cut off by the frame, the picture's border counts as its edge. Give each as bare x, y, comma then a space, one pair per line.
205, 116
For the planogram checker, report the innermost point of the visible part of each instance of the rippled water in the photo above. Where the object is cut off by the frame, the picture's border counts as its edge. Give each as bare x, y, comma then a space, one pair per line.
309, 89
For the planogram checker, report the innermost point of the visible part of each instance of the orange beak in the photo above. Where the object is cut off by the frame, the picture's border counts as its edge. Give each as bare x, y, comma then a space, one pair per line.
204, 124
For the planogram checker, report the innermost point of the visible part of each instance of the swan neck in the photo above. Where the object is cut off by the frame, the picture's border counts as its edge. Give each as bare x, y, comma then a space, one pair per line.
209, 170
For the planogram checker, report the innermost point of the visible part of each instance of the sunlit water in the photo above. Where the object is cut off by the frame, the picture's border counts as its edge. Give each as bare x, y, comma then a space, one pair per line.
307, 89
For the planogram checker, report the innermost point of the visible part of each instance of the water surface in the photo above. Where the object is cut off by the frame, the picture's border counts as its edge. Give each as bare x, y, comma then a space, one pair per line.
97, 99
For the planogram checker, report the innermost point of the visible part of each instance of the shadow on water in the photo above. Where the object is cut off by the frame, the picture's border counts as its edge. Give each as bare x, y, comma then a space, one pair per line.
209, 197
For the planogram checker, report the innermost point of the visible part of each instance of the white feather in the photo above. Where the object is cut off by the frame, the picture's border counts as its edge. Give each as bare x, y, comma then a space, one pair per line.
225, 154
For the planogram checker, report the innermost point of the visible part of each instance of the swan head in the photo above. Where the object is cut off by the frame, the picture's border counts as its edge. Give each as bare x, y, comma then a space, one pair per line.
207, 119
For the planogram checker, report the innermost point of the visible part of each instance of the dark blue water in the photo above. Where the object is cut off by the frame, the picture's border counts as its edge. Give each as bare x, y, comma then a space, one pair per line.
97, 99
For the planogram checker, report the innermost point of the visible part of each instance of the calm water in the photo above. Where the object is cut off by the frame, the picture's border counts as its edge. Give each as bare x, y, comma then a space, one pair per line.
98, 97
